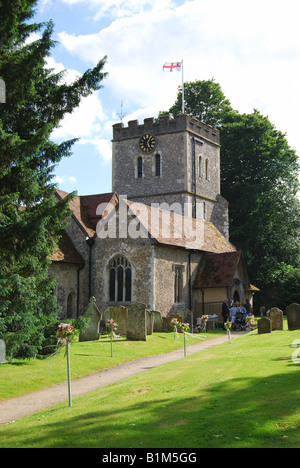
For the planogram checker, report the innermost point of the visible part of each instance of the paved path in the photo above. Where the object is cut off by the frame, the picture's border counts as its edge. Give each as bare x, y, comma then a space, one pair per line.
18, 407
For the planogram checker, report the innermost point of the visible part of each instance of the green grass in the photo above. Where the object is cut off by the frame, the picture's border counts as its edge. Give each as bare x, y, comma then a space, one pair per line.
243, 393
19, 377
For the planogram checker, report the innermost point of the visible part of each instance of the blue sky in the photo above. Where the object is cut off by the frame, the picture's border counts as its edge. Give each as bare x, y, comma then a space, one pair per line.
252, 49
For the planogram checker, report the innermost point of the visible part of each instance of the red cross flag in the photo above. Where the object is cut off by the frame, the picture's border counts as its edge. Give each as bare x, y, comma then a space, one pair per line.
172, 66
178, 66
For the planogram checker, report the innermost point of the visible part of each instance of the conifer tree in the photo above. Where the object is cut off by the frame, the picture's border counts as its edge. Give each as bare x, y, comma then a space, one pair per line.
30, 216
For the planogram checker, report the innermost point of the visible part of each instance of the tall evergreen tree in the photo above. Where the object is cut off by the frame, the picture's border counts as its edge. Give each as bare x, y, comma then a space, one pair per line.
30, 217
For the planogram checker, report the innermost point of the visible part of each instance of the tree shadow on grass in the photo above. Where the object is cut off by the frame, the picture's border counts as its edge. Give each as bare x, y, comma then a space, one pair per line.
250, 412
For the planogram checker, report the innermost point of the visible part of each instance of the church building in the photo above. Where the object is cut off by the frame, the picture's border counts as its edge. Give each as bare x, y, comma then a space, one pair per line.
161, 237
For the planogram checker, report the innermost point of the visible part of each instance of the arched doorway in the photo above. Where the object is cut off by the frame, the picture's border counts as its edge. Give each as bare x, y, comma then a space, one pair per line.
236, 296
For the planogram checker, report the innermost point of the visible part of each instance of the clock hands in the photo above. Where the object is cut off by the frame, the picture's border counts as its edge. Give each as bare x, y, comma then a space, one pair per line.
147, 143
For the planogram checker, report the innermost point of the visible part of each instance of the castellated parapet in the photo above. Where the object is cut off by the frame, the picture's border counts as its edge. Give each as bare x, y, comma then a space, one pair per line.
166, 124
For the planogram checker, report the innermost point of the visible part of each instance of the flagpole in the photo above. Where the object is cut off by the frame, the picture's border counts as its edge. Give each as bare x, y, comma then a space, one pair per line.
182, 88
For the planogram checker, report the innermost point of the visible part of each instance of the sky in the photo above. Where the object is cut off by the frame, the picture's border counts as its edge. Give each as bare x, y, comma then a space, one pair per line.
252, 49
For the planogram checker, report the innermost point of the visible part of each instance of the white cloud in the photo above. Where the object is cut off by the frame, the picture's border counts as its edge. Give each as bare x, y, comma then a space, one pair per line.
84, 120
103, 146
69, 75
121, 8
64, 179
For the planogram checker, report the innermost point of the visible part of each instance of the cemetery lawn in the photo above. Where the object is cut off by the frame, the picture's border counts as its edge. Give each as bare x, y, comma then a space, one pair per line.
244, 393
22, 376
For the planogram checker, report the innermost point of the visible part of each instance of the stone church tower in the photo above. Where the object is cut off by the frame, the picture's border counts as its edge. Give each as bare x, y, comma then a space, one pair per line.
173, 162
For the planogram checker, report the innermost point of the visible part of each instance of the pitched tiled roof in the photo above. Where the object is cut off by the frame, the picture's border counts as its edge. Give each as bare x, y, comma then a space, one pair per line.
217, 270
162, 226
85, 207
174, 229
66, 251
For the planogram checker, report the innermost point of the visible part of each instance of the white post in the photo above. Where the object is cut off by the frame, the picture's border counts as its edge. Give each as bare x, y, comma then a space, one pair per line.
182, 88
69, 372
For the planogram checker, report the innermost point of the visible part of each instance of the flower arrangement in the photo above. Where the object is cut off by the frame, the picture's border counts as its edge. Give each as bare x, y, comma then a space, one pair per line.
111, 326
228, 326
65, 333
185, 327
175, 325
250, 319
262, 310
205, 319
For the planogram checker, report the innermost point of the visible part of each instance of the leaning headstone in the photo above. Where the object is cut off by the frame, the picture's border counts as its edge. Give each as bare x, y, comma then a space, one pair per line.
136, 325
276, 317
293, 316
2, 352
264, 325
91, 333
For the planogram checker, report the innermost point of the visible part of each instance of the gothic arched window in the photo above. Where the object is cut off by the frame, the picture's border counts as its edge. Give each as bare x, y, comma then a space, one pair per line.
120, 280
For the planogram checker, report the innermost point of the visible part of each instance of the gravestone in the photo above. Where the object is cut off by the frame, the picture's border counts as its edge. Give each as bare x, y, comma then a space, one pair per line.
91, 333
293, 316
167, 321
120, 316
276, 317
157, 321
2, 352
137, 322
150, 322
264, 325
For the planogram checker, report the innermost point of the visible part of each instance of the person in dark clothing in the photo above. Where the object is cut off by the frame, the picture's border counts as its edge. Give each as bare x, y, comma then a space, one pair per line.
225, 312
248, 307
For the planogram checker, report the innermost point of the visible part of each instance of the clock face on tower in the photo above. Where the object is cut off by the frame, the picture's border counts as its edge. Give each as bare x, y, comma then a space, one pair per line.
147, 143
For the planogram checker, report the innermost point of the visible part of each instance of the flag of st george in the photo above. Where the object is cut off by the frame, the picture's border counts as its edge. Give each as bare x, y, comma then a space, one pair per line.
172, 66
